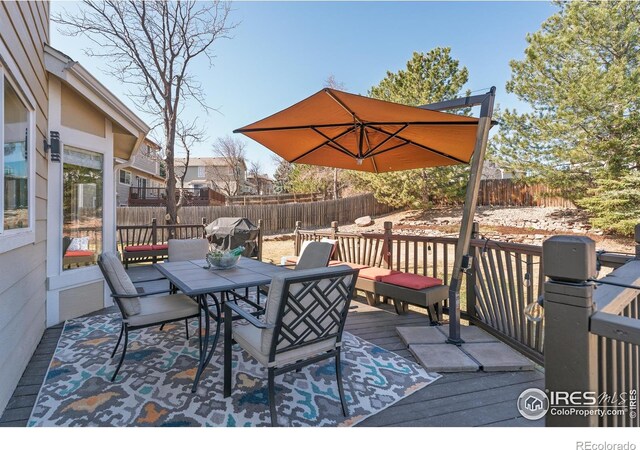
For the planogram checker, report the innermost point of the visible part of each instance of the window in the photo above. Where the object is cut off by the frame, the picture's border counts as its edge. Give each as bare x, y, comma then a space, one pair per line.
201, 172
82, 207
125, 177
15, 159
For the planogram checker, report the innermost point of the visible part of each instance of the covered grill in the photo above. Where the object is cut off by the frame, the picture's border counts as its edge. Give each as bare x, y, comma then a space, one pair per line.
227, 233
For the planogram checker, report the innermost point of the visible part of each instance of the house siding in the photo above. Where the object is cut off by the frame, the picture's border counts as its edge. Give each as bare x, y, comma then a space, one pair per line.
24, 28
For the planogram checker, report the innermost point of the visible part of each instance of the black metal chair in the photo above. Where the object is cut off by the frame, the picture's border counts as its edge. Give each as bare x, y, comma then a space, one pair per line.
142, 309
303, 324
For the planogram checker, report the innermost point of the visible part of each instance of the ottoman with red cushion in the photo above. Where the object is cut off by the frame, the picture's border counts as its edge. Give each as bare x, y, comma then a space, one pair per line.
412, 289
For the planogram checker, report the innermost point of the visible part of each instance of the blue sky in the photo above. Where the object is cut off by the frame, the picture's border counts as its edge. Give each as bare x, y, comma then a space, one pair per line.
282, 52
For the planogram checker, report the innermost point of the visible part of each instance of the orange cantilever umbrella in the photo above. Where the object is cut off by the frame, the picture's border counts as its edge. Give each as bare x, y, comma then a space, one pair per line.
338, 129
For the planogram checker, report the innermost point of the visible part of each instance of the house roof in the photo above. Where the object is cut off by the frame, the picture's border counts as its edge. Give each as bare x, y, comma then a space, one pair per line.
203, 161
129, 130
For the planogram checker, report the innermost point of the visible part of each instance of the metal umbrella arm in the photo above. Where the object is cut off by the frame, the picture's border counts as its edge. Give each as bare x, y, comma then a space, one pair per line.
462, 259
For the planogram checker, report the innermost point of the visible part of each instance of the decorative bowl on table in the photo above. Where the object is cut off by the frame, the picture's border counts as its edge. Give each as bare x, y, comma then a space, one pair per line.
224, 259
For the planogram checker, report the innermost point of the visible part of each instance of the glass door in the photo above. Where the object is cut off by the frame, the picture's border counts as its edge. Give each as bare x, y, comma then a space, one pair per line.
82, 199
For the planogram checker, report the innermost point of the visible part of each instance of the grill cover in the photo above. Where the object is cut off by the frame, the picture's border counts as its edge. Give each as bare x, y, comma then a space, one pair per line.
227, 233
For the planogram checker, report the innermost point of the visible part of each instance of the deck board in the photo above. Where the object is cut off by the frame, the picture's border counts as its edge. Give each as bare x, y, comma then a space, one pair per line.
456, 399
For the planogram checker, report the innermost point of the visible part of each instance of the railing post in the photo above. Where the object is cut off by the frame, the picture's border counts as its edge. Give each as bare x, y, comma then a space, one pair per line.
334, 229
637, 239
154, 235
570, 350
296, 237
204, 224
471, 274
259, 239
387, 245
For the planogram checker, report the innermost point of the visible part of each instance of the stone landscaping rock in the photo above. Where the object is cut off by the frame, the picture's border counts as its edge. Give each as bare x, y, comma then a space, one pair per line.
364, 221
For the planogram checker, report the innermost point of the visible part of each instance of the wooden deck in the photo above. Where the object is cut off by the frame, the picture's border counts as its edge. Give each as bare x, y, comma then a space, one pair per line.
460, 399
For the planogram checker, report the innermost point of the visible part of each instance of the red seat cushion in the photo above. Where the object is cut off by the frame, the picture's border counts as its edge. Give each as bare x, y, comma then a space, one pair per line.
352, 265
292, 259
138, 248
78, 253
376, 273
160, 247
412, 280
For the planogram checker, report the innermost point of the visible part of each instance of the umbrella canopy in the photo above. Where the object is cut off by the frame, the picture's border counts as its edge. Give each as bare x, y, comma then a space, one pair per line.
348, 131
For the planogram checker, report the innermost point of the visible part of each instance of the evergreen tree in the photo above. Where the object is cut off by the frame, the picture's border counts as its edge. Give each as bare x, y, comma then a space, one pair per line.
429, 77
581, 77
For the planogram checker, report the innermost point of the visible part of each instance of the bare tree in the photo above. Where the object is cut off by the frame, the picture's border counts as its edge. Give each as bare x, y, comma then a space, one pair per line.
230, 176
255, 172
188, 136
150, 46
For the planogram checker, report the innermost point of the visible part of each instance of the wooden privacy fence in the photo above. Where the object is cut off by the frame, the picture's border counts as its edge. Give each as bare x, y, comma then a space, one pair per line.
508, 192
275, 218
274, 199
505, 277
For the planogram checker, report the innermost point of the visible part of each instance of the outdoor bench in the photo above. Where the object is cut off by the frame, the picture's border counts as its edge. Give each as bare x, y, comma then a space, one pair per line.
404, 288
144, 252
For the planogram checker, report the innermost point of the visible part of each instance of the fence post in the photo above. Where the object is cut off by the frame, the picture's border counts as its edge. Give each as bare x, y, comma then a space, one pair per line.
637, 239
259, 239
387, 246
204, 224
570, 350
296, 237
471, 274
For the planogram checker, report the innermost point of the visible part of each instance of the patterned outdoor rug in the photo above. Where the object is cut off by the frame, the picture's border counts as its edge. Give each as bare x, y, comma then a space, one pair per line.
153, 387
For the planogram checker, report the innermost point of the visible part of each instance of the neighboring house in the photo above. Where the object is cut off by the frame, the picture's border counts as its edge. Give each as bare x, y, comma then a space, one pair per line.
491, 171
214, 173
51, 196
260, 184
144, 172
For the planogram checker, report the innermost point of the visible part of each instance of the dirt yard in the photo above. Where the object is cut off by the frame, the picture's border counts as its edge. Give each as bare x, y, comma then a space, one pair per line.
526, 225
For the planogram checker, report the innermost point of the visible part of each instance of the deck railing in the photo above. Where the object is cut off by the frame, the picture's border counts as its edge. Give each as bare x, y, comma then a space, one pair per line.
504, 279
157, 196
154, 234
593, 333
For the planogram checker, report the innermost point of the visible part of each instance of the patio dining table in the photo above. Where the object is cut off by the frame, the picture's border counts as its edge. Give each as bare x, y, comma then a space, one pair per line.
193, 279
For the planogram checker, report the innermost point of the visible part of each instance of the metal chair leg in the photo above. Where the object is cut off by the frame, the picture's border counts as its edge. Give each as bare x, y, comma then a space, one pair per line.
228, 343
200, 334
272, 398
340, 387
118, 343
186, 327
124, 352
162, 327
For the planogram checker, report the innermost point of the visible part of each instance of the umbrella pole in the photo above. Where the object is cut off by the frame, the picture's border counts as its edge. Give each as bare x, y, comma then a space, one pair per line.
463, 260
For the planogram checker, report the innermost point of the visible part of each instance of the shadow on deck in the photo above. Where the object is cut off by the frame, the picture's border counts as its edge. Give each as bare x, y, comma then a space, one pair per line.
456, 400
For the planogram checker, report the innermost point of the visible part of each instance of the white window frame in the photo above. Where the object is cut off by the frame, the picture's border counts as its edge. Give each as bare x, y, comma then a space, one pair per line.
201, 172
125, 172
12, 239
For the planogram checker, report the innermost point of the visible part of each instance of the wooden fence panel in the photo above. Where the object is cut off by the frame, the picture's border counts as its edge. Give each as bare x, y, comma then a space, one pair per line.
275, 218
508, 192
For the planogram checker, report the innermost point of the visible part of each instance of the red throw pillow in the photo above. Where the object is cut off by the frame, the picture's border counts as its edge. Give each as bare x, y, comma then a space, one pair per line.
376, 273
412, 281
160, 247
